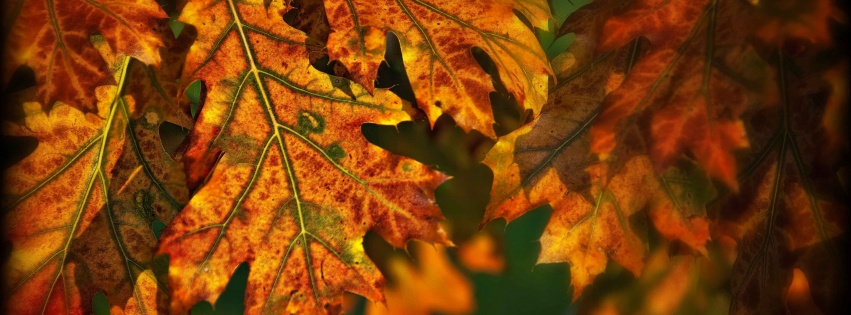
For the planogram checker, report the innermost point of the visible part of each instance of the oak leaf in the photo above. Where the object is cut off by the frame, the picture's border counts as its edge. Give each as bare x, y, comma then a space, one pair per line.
52, 38
80, 207
586, 231
790, 212
285, 180
436, 39
545, 163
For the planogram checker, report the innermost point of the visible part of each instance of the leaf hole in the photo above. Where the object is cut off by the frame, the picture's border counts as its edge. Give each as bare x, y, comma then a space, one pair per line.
172, 136
195, 94
523, 19
100, 304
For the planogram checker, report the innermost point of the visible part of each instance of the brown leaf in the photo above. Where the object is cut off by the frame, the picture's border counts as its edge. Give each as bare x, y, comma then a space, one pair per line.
683, 83
83, 203
790, 212
545, 163
436, 39
52, 38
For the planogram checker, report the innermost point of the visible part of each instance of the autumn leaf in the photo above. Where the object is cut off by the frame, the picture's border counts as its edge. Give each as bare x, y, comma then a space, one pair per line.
683, 88
672, 283
436, 39
52, 38
431, 285
80, 207
799, 299
790, 212
481, 253
586, 232
782, 21
285, 180
309, 17
835, 117
554, 147
546, 162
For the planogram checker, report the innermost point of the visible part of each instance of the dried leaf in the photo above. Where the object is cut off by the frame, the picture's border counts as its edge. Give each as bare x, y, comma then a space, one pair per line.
286, 181
545, 163
586, 232
436, 40
52, 38
790, 212
95, 183
683, 83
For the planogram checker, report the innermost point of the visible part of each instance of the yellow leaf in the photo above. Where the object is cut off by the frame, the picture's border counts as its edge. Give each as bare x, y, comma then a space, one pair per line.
82, 204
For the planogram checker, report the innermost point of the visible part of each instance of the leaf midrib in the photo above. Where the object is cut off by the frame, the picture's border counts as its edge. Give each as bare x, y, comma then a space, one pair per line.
98, 173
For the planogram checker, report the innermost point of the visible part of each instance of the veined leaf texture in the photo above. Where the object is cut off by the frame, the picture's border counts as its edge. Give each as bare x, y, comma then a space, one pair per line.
692, 155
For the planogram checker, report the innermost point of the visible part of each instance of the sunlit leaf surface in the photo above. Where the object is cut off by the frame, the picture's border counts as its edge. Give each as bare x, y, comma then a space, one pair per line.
285, 180
96, 182
52, 38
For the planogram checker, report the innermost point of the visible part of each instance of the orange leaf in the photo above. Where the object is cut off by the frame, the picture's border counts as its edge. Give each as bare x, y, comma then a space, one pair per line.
82, 204
432, 286
545, 163
436, 39
585, 232
286, 181
789, 213
480, 254
684, 83
52, 38
784, 20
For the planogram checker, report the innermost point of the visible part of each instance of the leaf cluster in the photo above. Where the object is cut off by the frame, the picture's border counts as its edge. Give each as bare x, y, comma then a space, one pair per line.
158, 147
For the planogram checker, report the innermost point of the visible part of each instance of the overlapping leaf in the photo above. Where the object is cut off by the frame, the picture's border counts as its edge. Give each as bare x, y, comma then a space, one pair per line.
682, 89
670, 284
682, 97
790, 213
586, 231
52, 38
431, 285
286, 181
545, 163
436, 38
80, 207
